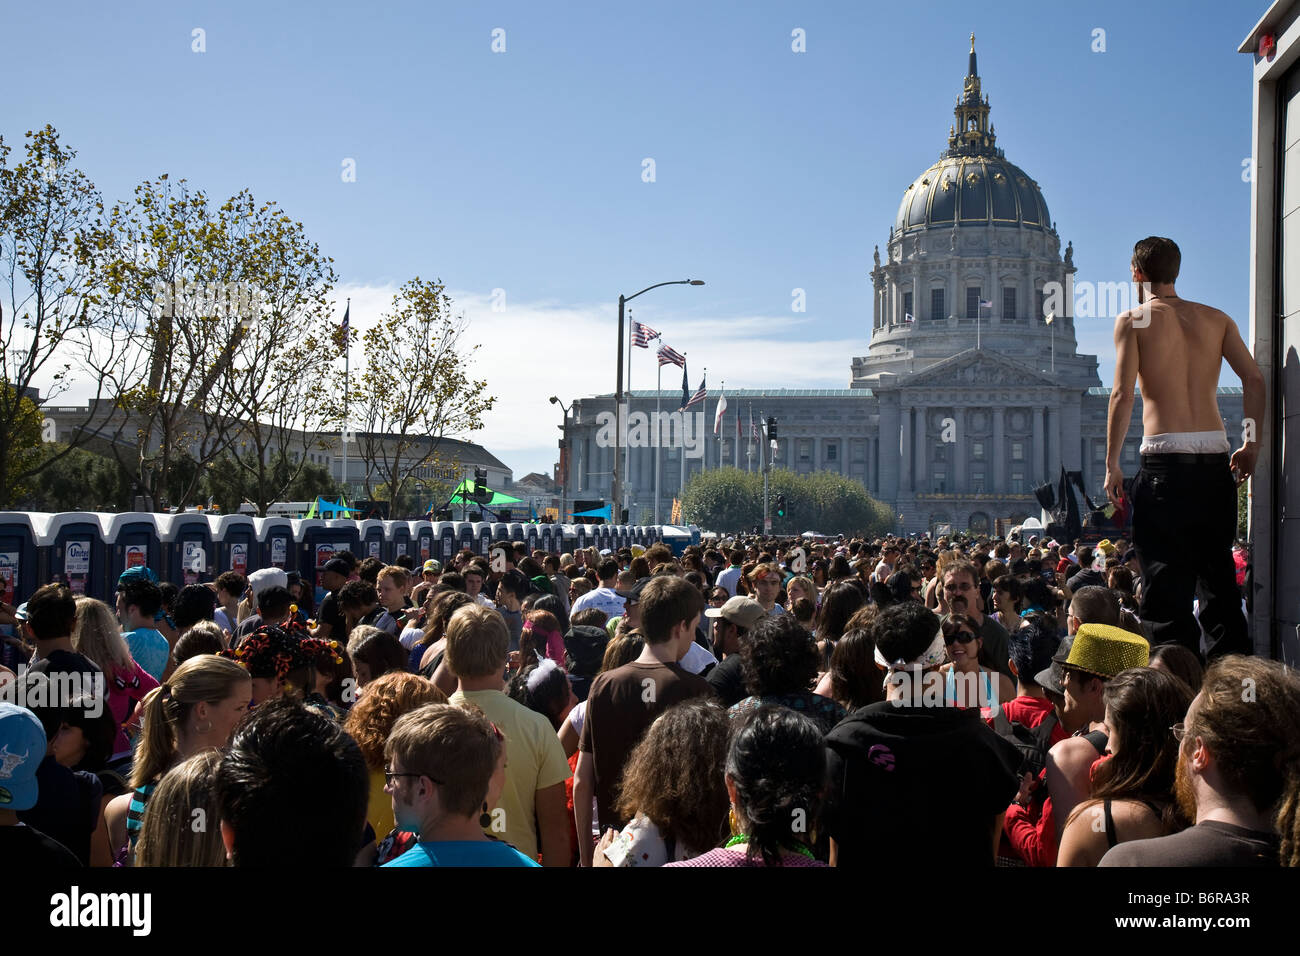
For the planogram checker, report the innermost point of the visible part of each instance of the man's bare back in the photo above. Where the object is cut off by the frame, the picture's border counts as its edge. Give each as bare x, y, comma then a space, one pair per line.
1180, 346
1173, 349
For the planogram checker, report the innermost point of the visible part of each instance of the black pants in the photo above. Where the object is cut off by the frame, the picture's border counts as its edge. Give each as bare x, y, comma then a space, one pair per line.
1184, 523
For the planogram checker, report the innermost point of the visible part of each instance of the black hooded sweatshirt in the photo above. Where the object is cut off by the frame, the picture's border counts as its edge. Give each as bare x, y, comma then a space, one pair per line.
917, 785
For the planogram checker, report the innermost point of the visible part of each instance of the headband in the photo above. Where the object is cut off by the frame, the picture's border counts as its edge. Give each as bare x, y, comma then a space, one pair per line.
540, 673
936, 653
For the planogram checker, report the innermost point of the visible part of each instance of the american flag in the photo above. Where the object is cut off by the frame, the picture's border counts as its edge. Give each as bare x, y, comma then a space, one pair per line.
642, 334
670, 356
753, 429
346, 314
699, 396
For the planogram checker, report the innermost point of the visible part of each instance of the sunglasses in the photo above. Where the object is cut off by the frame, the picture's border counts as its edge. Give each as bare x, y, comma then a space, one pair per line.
390, 774
964, 636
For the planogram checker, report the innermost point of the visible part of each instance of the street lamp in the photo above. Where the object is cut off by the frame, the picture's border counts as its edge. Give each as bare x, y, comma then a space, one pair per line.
616, 501
566, 456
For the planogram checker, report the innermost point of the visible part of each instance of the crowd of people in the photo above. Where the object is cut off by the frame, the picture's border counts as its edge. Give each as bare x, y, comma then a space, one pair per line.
761, 702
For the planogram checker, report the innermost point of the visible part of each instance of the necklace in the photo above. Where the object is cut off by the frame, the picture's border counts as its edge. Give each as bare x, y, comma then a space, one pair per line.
797, 847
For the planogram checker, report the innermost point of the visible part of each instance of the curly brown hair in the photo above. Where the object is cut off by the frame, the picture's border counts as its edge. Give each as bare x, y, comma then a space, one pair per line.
675, 775
386, 698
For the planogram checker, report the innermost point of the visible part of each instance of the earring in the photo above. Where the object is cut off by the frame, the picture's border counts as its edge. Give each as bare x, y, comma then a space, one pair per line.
485, 818
731, 819
204, 730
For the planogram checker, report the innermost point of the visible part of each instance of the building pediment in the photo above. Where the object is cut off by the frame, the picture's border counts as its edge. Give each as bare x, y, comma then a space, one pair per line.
974, 368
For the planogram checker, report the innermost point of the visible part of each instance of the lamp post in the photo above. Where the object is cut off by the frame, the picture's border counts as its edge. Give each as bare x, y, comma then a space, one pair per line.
616, 488
566, 455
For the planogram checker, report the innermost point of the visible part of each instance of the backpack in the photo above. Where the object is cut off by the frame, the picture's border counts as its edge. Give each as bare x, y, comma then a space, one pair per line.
1033, 743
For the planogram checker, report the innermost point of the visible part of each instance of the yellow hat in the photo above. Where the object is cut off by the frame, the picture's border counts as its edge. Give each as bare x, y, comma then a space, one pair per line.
1105, 650
1106, 546
638, 550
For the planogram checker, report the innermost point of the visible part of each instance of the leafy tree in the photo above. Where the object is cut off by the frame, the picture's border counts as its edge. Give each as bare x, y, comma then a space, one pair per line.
229, 482
728, 499
414, 387
75, 479
1243, 510
46, 206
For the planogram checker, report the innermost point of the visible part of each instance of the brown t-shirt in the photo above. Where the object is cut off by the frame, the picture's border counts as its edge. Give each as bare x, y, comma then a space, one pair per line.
621, 705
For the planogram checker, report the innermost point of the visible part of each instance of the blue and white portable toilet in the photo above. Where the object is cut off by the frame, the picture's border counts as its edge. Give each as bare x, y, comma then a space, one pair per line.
275, 543
19, 574
532, 537
422, 541
189, 556
374, 542
235, 539
399, 538
465, 536
500, 532
131, 540
444, 534
483, 537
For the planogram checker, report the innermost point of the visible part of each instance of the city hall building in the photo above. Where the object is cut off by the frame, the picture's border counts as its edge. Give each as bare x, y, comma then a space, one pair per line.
972, 391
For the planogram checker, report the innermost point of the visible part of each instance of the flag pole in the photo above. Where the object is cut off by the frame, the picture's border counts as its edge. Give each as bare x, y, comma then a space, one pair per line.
347, 350
627, 449
659, 425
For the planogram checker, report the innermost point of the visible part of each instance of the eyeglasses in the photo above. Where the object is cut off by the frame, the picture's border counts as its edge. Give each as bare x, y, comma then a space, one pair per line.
964, 636
1179, 730
390, 774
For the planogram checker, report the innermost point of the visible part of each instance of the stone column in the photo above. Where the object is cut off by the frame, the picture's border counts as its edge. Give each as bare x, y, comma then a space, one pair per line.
916, 292
887, 445
816, 452
998, 452
905, 451
923, 444
1053, 443
1071, 415
959, 453
1034, 475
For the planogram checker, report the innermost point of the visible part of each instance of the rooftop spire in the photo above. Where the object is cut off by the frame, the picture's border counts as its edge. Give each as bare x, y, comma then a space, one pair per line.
972, 135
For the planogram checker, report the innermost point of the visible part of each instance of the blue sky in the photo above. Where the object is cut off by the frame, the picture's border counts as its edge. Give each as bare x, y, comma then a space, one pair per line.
775, 170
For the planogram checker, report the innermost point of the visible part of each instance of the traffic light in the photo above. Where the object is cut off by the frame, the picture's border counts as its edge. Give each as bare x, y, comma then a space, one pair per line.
481, 493
771, 428
780, 506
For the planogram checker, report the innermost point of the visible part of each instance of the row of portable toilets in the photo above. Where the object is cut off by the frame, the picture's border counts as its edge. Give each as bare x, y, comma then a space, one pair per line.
88, 550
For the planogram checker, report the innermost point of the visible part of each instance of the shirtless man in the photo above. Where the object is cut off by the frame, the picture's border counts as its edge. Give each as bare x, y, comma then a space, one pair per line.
1184, 495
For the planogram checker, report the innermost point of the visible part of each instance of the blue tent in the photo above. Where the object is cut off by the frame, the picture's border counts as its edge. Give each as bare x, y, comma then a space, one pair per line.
606, 512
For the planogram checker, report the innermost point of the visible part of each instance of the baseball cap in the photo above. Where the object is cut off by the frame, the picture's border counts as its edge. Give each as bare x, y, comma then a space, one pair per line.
338, 566
264, 578
1050, 679
22, 748
20, 611
433, 565
740, 610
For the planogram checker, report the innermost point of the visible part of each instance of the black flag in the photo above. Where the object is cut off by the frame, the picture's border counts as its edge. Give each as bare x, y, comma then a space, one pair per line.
686, 388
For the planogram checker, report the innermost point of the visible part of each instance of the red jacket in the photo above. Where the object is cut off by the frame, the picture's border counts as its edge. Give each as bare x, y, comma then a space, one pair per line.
1028, 832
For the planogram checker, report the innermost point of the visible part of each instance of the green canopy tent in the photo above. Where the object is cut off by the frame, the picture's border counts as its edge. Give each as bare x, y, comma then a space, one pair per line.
464, 494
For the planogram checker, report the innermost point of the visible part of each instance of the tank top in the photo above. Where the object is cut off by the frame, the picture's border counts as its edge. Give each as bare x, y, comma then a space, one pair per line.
986, 696
135, 812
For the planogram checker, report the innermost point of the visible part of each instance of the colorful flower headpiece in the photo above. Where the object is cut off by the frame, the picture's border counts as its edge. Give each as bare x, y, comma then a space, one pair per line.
272, 651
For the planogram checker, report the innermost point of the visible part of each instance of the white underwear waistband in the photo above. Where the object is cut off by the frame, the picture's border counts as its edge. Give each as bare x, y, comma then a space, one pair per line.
1186, 443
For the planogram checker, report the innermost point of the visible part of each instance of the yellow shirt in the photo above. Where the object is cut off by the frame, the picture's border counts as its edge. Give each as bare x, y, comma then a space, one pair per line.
534, 761
380, 811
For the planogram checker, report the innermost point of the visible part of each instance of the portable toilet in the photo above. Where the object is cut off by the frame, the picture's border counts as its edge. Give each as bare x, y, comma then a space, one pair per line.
316, 541
422, 540
19, 574
347, 535
500, 532
130, 540
546, 537
464, 535
483, 537
188, 553
444, 536
582, 532
373, 540
532, 537
234, 537
275, 543
603, 537
622, 535
399, 538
